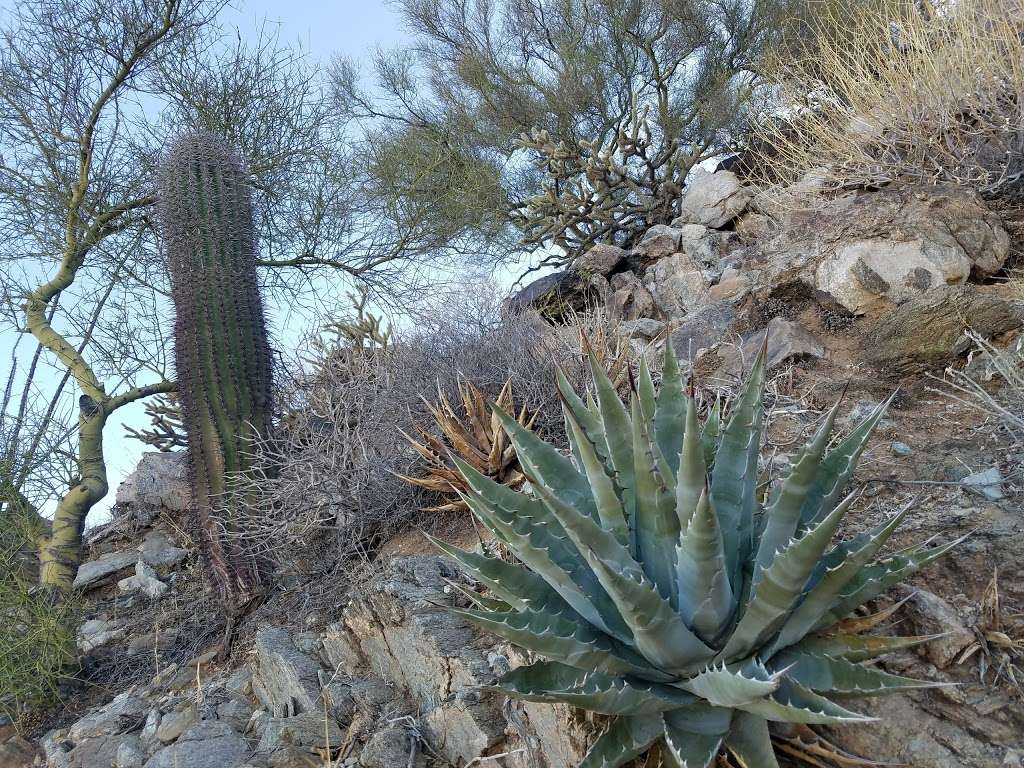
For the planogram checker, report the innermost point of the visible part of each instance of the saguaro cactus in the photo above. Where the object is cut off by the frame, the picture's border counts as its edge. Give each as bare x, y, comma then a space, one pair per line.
222, 355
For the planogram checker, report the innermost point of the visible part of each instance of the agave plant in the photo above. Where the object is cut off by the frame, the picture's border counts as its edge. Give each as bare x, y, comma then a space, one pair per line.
660, 591
477, 437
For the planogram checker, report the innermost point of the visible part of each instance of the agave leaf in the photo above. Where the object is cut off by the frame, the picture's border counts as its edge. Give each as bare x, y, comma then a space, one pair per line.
705, 597
692, 478
876, 578
625, 739
618, 432
750, 742
645, 393
734, 476
712, 433
732, 686
782, 515
821, 596
838, 466
609, 506
482, 602
658, 631
694, 735
562, 640
792, 703
543, 462
780, 587
825, 674
859, 647
551, 682
539, 541
657, 527
585, 416
519, 587
670, 413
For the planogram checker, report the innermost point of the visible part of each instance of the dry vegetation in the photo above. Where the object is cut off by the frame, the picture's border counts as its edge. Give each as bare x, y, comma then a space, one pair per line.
900, 93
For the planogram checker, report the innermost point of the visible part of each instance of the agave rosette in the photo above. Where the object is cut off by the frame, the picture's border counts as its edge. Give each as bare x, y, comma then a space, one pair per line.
657, 588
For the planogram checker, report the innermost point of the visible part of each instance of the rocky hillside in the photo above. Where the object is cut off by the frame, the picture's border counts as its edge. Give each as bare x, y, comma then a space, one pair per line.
858, 295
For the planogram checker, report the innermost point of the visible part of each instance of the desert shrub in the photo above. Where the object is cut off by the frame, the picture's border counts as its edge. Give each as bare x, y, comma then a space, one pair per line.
896, 93
37, 629
336, 489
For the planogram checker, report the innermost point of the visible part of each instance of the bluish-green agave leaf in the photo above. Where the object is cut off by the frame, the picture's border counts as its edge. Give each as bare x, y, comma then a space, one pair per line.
657, 527
607, 498
824, 674
520, 587
793, 703
539, 541
563, 640
693, 736
671, 411
750, 742
734, 475
705, 595
626, 739
658, 632
780, 587
712, 433
692, 476
733, 685
782, 515
551, 682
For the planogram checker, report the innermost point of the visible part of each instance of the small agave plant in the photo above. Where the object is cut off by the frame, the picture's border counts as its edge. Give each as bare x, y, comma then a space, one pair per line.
660, 591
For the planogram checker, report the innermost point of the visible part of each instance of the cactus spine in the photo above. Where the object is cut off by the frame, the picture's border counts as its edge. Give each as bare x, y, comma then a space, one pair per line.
222, 355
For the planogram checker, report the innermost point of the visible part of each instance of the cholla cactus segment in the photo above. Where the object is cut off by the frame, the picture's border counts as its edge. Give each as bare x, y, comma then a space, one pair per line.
659, 589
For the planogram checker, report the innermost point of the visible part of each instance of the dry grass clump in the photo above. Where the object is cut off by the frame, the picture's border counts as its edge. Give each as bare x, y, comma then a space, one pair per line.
897, 91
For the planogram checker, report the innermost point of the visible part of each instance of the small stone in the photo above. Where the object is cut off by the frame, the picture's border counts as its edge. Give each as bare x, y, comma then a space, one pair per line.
386, 749
987, 484
130, 754
106, 565
642, 328
96, 633
144, 581
901, 449
158, 551
173, 724
16, 752
599, 260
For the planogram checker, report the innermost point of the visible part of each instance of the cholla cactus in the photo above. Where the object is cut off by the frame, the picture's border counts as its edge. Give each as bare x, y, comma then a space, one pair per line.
660, 591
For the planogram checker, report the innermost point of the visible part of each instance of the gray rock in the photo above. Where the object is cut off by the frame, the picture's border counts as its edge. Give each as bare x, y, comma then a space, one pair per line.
159, 480
988, 484
678, 285
95, 633
658, 242
100, 751
714, 200
387, 748
159, 552
630, 300
929, 614
236, 712
704, 329
16, 752
884, 248
901, 449
209, 744
307, 731
124, 713
93, 571
144, 581
285, 680
786, 340
130, 754
599, 260
929, 331
643, 328
548, 293
173, 724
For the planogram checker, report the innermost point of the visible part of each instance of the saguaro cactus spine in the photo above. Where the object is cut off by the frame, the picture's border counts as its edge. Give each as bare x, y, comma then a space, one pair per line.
222, 355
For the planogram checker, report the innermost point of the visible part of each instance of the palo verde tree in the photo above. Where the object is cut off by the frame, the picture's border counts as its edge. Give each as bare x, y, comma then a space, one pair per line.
562, 122
90, 90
